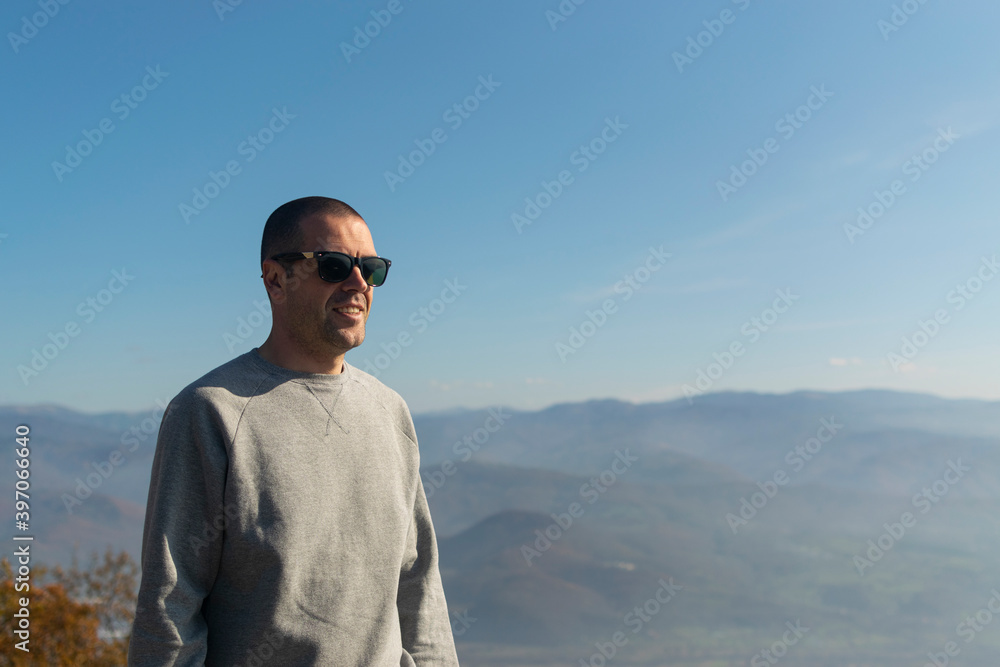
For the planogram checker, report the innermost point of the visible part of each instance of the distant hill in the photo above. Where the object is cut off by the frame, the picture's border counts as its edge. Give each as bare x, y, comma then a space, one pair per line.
756, 505
749, 433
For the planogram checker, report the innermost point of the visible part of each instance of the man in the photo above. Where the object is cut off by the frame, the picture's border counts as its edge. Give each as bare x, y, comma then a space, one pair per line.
286, 523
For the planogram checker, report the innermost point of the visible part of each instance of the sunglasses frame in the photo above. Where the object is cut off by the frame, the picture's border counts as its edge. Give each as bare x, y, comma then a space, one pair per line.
318, 255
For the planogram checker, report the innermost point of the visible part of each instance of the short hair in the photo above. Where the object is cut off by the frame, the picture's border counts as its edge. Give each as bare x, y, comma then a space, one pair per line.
282, 232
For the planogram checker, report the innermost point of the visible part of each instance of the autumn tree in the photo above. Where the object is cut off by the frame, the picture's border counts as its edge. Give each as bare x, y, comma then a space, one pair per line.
78, 617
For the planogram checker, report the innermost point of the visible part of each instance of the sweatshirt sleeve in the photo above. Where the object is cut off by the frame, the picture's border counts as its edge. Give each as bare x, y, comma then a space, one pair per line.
423, 612
182, 535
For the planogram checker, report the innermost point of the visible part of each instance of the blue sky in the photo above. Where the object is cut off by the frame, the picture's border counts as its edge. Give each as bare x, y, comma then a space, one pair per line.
869, 98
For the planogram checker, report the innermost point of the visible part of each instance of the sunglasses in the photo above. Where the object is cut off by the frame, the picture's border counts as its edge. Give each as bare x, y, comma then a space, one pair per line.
335, 267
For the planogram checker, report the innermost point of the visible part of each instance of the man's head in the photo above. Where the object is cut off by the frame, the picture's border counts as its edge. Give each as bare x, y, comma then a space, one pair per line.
282, 232
314, 322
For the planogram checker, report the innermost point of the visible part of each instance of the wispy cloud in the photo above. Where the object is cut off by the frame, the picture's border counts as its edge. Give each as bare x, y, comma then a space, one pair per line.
754, 226
820, 326
460, 384
713, 285
851, 159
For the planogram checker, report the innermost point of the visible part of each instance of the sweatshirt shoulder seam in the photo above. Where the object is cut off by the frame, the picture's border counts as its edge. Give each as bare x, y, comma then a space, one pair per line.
254, 394
384, 407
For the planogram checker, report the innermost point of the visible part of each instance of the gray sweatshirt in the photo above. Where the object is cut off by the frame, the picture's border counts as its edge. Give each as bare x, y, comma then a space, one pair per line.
287, 525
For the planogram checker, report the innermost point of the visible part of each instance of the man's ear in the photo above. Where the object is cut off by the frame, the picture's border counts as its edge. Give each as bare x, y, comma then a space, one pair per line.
275, 280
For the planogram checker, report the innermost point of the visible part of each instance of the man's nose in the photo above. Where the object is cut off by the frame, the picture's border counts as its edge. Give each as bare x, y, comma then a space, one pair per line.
356, 281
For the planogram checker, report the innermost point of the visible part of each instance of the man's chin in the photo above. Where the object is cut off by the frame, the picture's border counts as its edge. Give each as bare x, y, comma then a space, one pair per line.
346, 339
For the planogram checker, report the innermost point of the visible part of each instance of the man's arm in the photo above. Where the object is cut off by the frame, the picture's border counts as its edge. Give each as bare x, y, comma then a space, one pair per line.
182, 536
423, 612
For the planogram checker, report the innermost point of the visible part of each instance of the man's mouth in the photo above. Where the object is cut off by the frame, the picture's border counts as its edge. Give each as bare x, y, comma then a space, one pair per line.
353, 312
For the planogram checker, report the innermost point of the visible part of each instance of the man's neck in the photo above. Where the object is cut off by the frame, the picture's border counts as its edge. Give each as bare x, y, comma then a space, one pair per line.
300, 362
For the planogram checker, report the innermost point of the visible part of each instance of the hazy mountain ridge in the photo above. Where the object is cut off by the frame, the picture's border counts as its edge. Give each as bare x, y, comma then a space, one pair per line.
750, 433
673, 476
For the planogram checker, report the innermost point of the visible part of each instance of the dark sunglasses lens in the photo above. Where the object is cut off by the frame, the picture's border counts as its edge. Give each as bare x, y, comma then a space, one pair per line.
335, 267
374, 270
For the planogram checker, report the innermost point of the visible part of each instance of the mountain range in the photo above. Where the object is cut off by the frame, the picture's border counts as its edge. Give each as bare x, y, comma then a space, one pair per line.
705, 533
